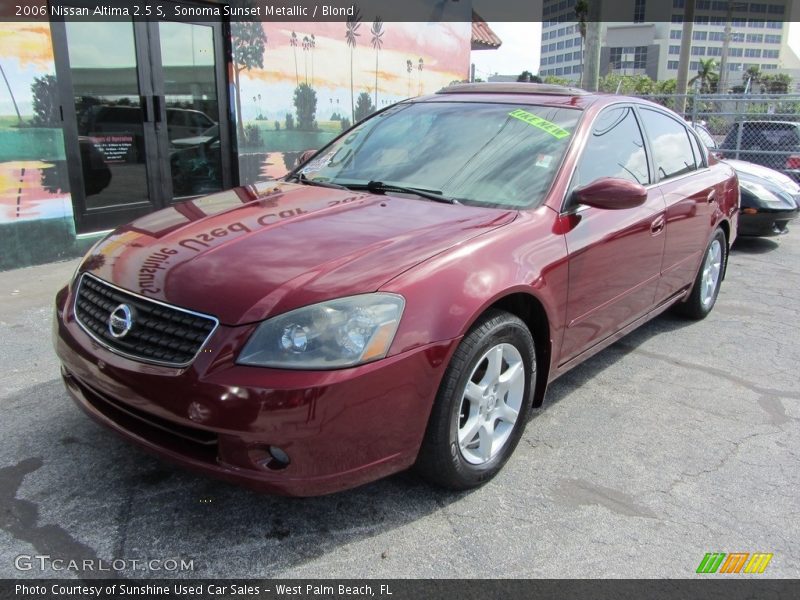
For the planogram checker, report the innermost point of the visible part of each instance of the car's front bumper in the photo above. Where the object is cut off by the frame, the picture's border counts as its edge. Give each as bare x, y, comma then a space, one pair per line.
339, 428
765, 222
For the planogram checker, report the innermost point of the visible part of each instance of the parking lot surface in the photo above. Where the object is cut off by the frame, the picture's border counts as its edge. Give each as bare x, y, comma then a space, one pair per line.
680, 439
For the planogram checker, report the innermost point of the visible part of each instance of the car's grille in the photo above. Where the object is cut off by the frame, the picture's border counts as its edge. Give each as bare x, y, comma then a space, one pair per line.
159, 333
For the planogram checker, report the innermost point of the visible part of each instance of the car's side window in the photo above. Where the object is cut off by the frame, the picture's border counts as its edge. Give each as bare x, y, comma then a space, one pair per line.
615, 149
699, 154
705, 137
672, 149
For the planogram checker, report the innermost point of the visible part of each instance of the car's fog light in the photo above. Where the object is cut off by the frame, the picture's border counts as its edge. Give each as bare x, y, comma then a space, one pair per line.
280, 456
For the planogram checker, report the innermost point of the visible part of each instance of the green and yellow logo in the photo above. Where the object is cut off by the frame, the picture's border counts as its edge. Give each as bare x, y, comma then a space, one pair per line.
738, 562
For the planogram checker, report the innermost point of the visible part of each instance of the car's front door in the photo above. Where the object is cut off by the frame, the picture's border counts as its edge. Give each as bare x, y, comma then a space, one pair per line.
614, 255
690, 194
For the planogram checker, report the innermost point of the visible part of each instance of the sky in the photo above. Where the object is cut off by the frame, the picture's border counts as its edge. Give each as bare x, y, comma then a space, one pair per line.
519, 51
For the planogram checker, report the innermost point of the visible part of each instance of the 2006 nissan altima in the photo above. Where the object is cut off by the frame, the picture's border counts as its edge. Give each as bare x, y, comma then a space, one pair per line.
405, 295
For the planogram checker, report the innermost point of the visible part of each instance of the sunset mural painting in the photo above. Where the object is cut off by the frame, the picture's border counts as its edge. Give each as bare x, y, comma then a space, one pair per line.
293, 86
318, 78
34, 197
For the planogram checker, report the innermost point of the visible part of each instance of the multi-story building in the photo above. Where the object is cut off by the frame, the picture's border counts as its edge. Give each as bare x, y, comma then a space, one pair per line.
648, 42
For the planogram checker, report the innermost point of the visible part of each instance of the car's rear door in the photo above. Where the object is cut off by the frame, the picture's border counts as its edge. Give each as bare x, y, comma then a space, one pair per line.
690, 195
614, 255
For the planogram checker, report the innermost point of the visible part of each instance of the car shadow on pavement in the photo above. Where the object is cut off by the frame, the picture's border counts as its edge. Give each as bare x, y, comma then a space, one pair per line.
591, 368
754, 245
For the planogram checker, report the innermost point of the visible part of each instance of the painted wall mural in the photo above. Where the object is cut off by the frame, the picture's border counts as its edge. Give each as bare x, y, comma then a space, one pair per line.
36, 223
33, 179
301, 84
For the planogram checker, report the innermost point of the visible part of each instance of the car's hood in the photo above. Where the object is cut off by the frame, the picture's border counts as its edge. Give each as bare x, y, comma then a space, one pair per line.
248, 253
775, 177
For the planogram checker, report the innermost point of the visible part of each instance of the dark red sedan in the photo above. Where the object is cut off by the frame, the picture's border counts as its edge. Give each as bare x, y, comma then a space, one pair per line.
402, 298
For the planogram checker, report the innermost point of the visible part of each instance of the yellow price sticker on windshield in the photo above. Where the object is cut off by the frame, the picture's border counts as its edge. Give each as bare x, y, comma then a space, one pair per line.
543, 124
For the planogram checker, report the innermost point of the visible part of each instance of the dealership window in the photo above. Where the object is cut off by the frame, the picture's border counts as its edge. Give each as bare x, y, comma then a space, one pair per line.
672, 150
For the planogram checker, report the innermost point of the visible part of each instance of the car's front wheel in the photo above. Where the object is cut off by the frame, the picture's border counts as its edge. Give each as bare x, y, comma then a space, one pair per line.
482, 405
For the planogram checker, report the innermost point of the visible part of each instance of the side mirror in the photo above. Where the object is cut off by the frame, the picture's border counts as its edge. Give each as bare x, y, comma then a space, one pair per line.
611, 193
307, 154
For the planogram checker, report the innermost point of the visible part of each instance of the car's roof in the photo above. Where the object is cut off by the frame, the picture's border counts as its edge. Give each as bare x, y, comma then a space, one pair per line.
524, 93
771, 122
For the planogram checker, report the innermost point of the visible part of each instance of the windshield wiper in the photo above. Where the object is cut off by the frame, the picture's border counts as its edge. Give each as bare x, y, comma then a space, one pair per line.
301, 178
378, 187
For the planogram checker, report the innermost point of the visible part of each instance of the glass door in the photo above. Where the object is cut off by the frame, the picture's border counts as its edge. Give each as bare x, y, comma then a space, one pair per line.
144, 113
196, 124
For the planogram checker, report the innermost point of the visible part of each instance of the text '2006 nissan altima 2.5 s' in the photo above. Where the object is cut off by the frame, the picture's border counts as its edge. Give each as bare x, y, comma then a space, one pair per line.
404, 296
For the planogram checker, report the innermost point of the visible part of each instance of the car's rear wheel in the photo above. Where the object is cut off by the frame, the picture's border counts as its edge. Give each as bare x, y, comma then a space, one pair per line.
482, 405
708, 280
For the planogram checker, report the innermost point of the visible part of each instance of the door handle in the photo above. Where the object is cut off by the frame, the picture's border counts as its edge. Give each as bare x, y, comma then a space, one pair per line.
657, 226
712, 195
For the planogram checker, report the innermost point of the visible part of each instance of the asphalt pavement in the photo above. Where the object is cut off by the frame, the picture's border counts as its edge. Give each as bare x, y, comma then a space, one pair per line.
680, 439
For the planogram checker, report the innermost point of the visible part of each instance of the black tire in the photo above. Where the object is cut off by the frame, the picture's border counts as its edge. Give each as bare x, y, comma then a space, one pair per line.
440, 459
694, 307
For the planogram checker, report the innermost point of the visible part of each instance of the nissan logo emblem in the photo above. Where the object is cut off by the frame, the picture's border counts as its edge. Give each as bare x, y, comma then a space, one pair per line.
120, 321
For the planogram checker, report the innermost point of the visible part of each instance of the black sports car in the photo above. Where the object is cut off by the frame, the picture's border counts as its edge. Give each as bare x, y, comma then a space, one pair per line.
770, 199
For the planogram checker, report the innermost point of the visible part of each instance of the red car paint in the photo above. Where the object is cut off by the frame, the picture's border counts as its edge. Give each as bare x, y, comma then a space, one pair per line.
585, 277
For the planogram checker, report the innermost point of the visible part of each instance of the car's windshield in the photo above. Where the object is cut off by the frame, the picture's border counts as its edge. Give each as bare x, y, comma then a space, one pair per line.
492, 154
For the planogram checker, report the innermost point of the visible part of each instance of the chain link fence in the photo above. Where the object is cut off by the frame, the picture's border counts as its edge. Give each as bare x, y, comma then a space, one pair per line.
763, 129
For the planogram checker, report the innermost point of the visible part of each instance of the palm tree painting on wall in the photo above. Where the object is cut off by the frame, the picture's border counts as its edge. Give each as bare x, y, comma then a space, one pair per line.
318, 78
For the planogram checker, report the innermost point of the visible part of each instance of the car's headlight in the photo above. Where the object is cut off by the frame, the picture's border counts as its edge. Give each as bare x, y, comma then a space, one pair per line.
329, 335
761, 192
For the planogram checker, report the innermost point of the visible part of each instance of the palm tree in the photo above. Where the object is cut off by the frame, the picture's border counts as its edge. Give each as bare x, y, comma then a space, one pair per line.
409, 68
377, 43
306, 47
11, 93
581, 13
353, 23
313, 44
706, 75
753, 76
419, 67
293, 44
